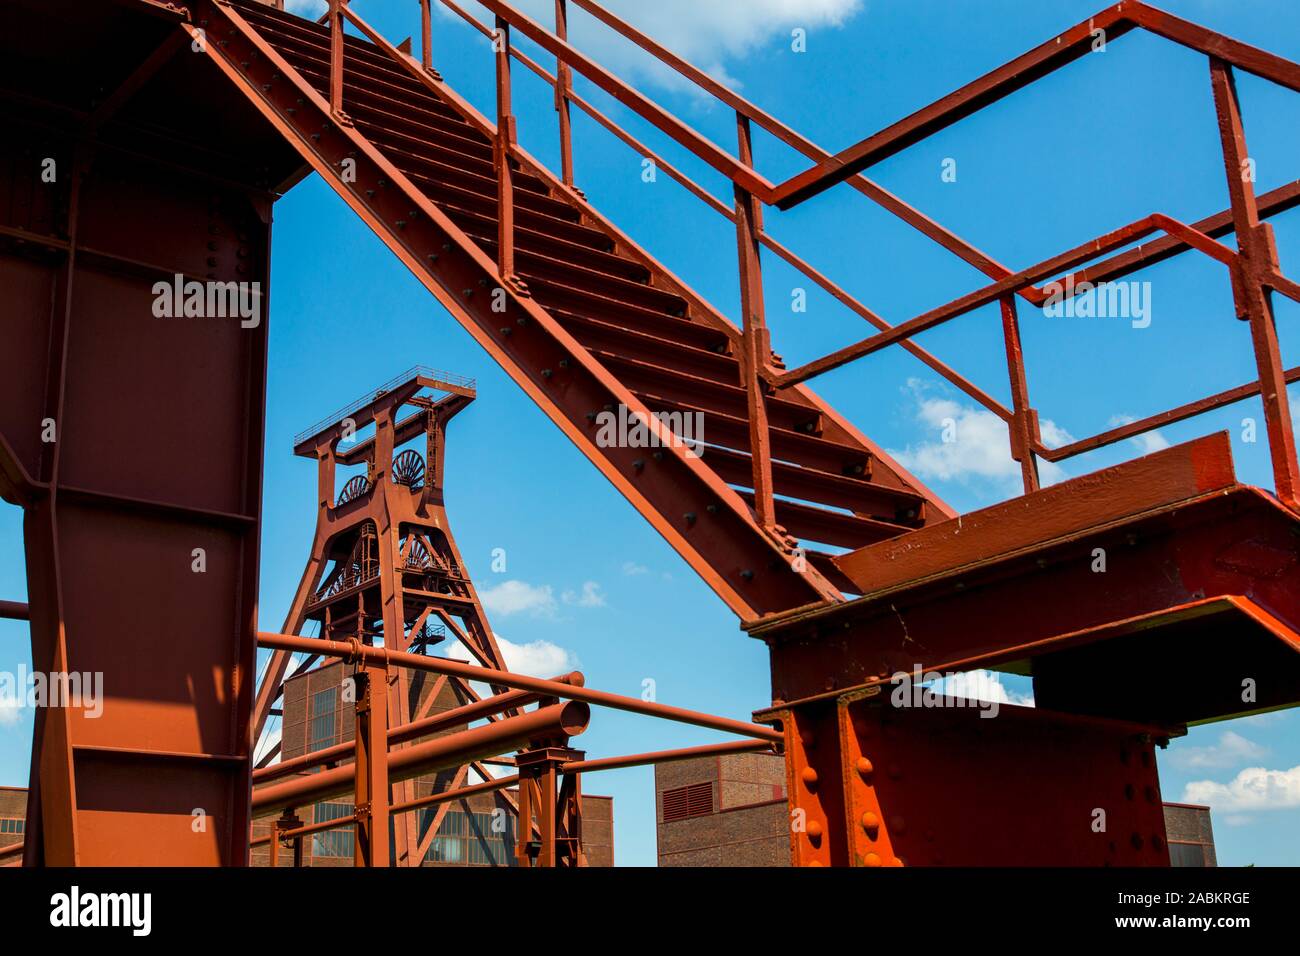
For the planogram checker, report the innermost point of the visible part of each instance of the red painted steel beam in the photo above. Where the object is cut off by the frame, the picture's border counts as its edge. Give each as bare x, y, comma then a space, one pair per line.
143, 503
1193, 563
872, 785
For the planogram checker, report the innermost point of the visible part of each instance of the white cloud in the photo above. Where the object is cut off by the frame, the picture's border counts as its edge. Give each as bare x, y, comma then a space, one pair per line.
536, 658
982, 685
517, 597
494, 769
1232, 750
632, 569
307, 8
1254, 788
1147, 441
10, 711
590, 596
973, 445
270, 738
707, 33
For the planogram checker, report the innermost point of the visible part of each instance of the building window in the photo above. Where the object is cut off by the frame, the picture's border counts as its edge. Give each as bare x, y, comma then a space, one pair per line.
685, 802
324, 720
12, 825
470, 839
1187, 854
333, 843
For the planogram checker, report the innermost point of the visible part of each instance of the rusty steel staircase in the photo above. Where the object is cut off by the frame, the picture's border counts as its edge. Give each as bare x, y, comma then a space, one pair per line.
588, 322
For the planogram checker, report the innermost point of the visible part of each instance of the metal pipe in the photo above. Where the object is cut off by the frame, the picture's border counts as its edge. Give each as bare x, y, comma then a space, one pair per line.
475, 710
487, 786
438, 665
667, 756
454, 750
15, 611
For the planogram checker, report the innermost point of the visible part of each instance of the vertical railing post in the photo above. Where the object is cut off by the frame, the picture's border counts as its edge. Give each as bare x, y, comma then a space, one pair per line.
336, 56
287, 821
524, 826
503, 149
1023, 426
563, 83
371, 740
426, 35
756, 344
1256, 257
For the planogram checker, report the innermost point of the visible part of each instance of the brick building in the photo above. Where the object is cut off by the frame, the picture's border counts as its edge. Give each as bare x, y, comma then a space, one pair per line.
13, 815
316, 716
1190, 836
731, 811
722, 811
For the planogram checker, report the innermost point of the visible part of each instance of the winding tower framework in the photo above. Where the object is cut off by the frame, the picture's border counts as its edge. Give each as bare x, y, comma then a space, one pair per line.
384, 569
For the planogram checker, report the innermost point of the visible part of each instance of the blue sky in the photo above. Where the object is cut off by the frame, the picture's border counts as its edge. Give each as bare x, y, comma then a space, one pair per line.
587, 582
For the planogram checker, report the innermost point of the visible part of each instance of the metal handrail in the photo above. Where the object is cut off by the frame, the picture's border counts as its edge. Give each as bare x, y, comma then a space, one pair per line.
416, 371
1254, 275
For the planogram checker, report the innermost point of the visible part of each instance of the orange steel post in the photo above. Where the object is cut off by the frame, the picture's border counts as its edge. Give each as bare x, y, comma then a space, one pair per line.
426, 35
371, 738
1257, 257
279, 828
551, 803
503, 148
1023, 427
563, 84
568, 819
757, 345
336, 56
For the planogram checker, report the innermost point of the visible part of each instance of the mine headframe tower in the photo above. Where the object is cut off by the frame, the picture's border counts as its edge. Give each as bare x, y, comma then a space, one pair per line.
384, 568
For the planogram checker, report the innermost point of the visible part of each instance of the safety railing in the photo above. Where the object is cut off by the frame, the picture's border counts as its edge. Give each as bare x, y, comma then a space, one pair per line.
437, 376
1252, 266
447, 739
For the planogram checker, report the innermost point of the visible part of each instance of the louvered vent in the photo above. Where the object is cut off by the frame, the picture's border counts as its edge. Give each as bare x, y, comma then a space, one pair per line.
684, 802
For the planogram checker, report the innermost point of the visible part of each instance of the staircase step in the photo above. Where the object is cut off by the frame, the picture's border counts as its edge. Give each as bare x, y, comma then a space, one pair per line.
526, 204
562, 250
628, 301
361, 91
814, 451
376, 69
527, 223
444, 166
610, 337
281, 28
859, 495
672, 331
646, 379
463, 140
809, 523
545, 275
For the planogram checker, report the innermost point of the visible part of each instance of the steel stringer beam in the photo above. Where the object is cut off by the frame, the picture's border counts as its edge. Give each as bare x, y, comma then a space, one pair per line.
139, 471
704, 520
